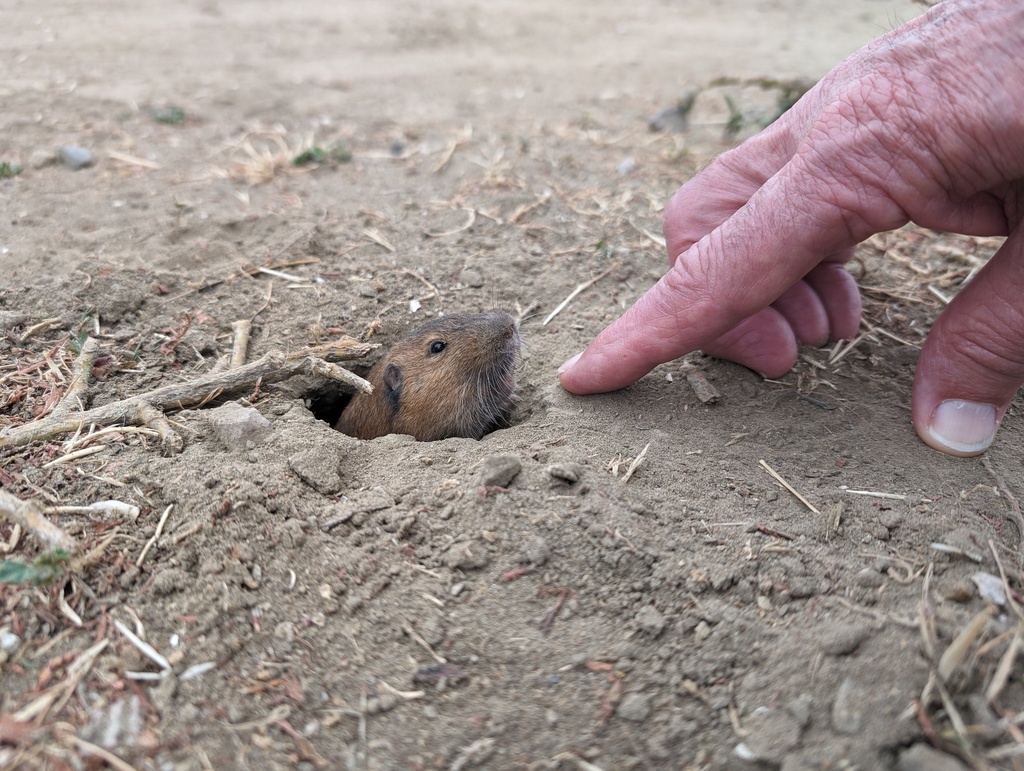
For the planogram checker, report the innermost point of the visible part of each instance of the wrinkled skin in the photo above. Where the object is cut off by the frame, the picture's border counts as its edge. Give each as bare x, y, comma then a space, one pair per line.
926, 124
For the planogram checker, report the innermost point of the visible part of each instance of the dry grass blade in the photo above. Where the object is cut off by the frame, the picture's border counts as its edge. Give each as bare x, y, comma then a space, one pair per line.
580, 288
788, 486
635, 464
1002, 673
956, 654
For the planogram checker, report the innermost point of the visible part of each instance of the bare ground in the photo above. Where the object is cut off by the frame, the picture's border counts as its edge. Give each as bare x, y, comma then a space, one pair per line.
324, 602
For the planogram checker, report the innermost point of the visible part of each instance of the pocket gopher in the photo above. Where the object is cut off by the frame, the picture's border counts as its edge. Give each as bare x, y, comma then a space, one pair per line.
453, 376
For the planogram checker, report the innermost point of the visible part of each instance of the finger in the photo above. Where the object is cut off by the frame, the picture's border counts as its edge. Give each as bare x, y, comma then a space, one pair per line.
714, 195
764, 342
730, 274
803, 309
973, 361
839, 296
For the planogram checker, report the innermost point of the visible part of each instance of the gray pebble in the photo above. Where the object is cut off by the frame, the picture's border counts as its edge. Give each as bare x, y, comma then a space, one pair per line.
42, 158
921, 757
869, 578
75, 157
842, 640
847, 714
800, 708
9, 641
317, 469
771, 734
537, 552
668, 119
466, 555
238, 427
890, 519
564, 472
635, 707
500, 470
650, 620
11, 319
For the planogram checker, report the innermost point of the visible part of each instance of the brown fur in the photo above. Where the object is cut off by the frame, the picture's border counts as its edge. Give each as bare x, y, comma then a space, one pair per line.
465, 389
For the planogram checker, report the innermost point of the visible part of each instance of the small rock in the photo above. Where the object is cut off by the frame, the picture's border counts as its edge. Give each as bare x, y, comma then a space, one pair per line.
921, 757
317, 469
537, 552
366, 289
473, 278
890, 519
702, 631
772, 734
869, 578
651, 620
842, 640
42, 158
466, 555
9, 641
635, 707
847, 717
432, 631
569, 473
626, 165
238, 427
75, 157
800, 708
673, 117
500, 470
11, 319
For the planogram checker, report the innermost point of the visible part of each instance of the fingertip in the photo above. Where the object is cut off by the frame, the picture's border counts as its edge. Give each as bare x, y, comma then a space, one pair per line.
569, 363
961, 428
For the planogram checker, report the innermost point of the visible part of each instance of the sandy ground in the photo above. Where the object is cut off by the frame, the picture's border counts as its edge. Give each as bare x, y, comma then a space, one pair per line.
516, 602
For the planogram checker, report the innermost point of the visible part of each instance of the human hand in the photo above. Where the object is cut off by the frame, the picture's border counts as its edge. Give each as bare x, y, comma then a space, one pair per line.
926, 124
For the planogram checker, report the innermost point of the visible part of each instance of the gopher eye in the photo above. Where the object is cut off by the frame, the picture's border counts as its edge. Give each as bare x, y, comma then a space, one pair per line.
437, 346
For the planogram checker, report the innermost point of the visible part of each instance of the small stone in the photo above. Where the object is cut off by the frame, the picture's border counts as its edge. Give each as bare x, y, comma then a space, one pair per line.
9, 641
869, 578
11, 319
651, 621
673, 117
473, 278
42, 158
466, 555
921, 757
432, 631
890, 519
366, 289
537, 552
800, 708
702, 631
318, 469
500, 470
843, 640
568, 473
847, 715
771, 734
75, 157
635, 707
238, 427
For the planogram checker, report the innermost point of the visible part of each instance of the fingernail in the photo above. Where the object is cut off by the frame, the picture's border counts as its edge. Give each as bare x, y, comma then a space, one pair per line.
568, 363
962, 426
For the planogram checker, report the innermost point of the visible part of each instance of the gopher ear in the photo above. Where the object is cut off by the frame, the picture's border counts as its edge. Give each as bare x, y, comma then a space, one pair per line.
393, 382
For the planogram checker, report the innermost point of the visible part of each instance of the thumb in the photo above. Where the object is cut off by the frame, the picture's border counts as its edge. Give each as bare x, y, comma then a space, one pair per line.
973, 362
